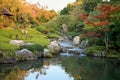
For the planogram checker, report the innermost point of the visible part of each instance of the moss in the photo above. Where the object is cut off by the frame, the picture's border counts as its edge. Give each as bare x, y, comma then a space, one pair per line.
33, 36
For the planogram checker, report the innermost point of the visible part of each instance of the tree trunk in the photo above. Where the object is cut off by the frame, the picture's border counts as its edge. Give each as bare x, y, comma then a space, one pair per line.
106, 41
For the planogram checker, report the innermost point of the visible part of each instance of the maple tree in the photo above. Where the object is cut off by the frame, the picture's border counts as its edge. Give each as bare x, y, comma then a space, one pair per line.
100, 21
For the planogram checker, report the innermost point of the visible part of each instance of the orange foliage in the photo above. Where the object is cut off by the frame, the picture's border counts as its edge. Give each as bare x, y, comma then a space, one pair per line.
24, 13
101, 23
88, 21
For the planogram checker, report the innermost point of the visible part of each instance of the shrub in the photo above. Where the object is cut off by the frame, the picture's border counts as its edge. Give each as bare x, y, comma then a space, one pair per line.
42, 29
96, 41
34, 47
53, 35
94, 49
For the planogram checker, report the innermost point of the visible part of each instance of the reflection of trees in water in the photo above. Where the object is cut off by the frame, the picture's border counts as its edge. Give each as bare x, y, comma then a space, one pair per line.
20, 70
90, 68
80, 68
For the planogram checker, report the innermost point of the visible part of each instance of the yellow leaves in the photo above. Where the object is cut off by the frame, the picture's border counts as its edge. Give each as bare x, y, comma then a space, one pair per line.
89, 26
79, 2
16, 75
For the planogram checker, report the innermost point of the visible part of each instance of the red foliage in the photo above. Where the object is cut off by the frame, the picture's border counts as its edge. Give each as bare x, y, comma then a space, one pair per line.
83, 16
88, 21
102, 16
106, 10
91, 34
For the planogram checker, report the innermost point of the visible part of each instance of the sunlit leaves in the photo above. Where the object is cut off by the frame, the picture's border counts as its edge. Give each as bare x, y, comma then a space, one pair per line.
25, 13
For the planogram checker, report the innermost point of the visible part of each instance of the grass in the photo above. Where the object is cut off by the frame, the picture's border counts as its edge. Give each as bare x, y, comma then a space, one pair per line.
8, 47
10, 34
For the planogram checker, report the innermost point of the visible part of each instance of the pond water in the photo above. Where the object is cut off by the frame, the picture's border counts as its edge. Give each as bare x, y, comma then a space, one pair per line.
62, 68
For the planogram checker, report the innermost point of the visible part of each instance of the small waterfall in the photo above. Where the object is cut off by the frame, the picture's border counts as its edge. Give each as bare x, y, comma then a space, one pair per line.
68, 49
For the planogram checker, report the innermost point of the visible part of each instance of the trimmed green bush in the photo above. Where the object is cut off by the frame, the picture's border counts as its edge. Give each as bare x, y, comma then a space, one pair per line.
34, 47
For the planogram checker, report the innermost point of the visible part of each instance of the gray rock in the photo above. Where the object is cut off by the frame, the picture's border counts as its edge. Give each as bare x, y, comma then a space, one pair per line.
64, 27
84, 44
61, 38
25, 54
54, 47
99, 54
28, 43
16, 42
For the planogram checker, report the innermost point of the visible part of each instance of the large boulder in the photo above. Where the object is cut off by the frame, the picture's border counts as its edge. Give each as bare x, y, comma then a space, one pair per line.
16, 42
54, 47
64, 27
47, 53
25, 54
76, 40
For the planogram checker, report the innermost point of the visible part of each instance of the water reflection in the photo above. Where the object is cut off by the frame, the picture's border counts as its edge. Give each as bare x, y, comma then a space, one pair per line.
51, 70
62, 68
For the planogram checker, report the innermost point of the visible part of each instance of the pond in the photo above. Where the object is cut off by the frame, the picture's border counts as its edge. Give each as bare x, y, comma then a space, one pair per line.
62, 68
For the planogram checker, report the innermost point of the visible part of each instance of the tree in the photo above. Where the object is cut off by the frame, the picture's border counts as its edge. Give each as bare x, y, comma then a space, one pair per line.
64, 11
100, 21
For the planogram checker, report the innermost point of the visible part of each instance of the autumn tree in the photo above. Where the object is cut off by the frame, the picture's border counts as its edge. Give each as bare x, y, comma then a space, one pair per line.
100, 20
24, 13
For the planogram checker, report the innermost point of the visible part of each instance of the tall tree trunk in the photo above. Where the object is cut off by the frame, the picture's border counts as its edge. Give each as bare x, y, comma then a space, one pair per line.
106, 41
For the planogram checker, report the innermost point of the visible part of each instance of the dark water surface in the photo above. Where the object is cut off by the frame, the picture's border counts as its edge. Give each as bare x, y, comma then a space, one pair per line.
62, 68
